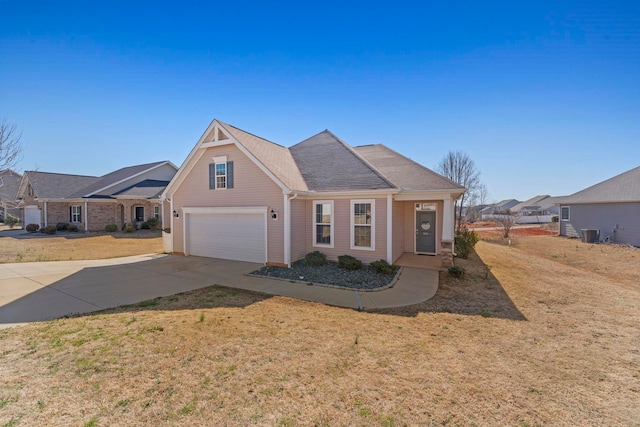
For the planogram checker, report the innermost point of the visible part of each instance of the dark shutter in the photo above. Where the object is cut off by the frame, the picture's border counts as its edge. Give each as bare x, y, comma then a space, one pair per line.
212, 176
229, 174
70, 214
79, 213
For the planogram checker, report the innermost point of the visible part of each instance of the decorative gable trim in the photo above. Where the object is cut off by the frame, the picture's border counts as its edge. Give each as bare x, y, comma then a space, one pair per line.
215, 136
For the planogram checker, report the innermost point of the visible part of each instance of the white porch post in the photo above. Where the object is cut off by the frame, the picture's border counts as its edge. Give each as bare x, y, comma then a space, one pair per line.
86, 215
447, 222
287, 230
45, 213
389, 228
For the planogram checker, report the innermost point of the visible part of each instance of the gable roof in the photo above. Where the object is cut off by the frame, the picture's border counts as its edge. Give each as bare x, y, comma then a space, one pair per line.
113, 178
321, 163
347, 170
403, 172
619, 189
49, 185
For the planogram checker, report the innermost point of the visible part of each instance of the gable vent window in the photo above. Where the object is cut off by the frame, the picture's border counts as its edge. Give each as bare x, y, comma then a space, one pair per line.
220, 174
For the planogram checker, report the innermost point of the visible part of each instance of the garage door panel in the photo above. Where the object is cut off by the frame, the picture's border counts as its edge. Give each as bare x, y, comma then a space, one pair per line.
227, 236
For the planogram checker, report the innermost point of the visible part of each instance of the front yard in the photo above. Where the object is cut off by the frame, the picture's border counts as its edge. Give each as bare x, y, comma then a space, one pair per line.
76, 246
542, 332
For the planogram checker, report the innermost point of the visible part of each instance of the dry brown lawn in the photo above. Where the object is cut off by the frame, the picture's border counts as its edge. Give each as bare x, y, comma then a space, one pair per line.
78, 246
542, 332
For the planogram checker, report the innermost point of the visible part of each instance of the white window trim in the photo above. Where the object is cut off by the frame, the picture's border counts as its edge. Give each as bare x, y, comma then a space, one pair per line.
76, 214
568, 213
314, 223
215, 174
156, 212
372, 226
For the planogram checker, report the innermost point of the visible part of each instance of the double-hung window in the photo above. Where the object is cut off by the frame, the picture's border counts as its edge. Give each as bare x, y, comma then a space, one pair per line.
220, 173
565, 213
76, 214
323, 223
363, 224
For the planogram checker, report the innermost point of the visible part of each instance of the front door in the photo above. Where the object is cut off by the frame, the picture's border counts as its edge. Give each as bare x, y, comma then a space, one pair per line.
139, 213
426, 232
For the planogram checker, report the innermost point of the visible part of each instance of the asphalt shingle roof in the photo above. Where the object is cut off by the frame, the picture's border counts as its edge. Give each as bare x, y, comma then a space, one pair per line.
48, 185
619, 189
329, 164
403, 172
149, 189
276, 158
112, 178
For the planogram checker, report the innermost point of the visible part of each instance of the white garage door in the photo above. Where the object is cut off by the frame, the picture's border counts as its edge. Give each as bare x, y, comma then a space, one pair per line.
237, 236
31, 215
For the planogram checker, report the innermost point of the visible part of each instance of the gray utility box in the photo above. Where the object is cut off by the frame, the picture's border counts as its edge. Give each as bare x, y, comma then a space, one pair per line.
590, 236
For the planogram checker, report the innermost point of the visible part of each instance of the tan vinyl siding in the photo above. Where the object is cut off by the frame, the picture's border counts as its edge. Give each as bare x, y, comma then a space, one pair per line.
252, 187
410, 224
398, 247
299, 226
342, 229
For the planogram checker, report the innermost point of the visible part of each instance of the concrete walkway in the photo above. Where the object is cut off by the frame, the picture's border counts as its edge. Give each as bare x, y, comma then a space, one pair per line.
38, 291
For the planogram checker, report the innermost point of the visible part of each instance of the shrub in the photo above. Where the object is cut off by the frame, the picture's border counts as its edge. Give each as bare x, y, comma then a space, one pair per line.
555, 218
145, 226
129, 229
457, 271
32, 228
111, 228
383, 267
49, 229
349, 263
465, 240
315, 259
73, 228
153, 222
11, 221
62, 226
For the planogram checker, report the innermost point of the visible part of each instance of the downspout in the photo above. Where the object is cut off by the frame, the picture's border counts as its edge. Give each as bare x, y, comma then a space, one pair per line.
287, 227
171, 221
389, 228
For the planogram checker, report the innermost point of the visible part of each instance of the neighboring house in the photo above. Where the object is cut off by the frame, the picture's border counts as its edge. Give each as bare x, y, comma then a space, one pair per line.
539, 209
127, 196
9, 183
473, 213
498, 208
238, 196
612, 207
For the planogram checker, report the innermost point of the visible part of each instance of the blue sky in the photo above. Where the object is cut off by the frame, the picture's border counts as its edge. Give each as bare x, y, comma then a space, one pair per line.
543, 95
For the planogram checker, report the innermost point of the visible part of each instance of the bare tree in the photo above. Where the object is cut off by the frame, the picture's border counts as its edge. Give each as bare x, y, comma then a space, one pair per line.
506, 219
10, 146
460, 168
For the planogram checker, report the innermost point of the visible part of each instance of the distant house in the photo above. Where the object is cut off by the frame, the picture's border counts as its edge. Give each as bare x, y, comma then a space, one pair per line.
497, 208
126, 196
538, 209
612, 207
9, 183
241, 197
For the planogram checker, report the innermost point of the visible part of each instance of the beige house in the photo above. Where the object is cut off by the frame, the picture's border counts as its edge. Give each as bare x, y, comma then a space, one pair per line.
240, 197
129, 195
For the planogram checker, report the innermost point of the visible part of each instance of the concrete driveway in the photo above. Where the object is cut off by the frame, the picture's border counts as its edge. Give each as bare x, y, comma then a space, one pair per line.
37, 291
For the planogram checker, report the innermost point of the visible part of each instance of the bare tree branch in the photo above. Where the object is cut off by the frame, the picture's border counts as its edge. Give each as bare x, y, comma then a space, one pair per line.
460, 168
10, 146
